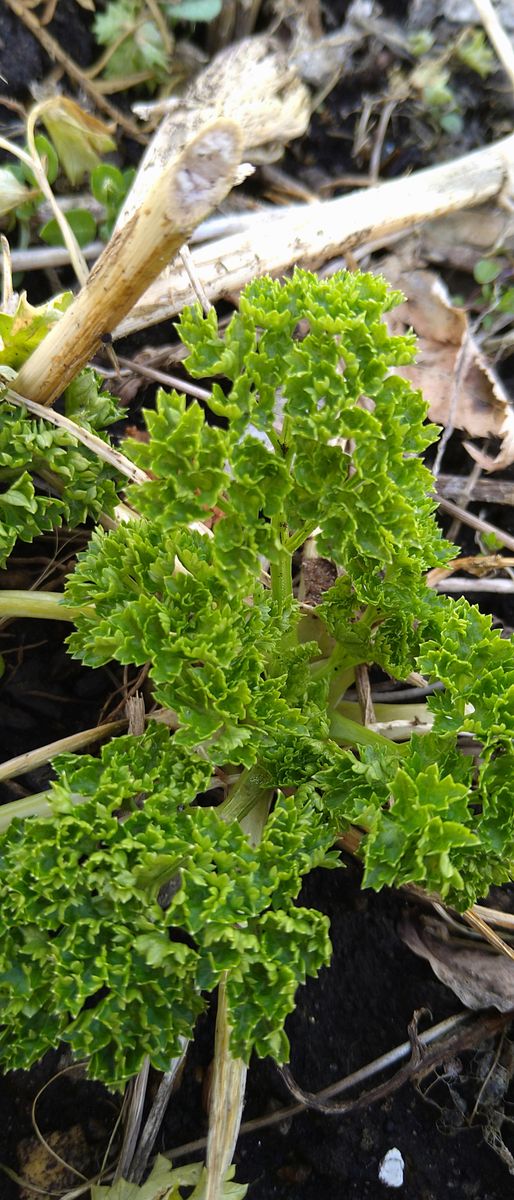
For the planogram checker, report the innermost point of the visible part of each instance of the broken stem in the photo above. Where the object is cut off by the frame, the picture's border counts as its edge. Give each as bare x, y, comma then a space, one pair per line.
185, 192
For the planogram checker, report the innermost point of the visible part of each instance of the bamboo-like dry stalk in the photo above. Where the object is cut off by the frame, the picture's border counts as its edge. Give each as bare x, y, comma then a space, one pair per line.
181, 197
102, 449
227, 1100
229, 1073
313, 233
31, 759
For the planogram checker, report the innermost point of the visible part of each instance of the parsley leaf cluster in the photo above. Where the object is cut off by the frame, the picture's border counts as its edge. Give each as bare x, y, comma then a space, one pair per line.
307, 432
88, 954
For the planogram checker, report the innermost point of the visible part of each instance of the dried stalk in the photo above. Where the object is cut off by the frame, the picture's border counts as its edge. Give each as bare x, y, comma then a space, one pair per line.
474, 522
228, 1089
102, 449
156, 1115
39, 757
229, 1075
492, 491
273, 106
40, 258
460, 584
311, 234
133, 1106
182, 196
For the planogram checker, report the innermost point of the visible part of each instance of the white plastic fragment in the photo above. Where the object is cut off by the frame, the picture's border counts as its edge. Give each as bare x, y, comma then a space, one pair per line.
390, 1171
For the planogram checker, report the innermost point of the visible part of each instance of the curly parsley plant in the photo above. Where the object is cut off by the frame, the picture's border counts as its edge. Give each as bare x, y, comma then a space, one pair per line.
123, 910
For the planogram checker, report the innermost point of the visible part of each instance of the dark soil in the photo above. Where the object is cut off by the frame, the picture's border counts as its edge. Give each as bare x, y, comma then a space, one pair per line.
353, 1013
362, 1006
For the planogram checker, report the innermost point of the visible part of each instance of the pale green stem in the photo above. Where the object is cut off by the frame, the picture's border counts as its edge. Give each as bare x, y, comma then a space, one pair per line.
341, 680
31, 806
297, 539
394, 722
388, 712
344, 729
251, 790
281, 573
340, 666
251, 787
45, 606
66, 745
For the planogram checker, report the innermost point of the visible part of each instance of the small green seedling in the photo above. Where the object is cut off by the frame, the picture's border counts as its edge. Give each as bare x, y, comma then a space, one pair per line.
138, 41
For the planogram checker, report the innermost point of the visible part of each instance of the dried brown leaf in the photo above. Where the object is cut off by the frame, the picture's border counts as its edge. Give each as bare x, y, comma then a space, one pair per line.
478, 976
459, 385
460, 238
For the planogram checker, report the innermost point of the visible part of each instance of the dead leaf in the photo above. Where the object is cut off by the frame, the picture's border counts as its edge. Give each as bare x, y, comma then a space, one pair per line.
460, 238
478, 976
459, 385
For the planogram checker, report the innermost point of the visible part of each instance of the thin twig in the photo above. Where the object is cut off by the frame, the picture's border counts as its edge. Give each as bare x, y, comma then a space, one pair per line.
56, 52
161, 23
42, 258
41, 1139
419, 1064
494, 939
460, 583
451, 1026
376, 153
32, 759
102, 449
464, 500
173, 381
77, 259
33, 161
155, 1116
455, 510
363, 689
194, 279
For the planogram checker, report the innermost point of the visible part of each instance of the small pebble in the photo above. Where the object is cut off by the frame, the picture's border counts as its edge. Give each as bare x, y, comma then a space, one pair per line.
390, 1171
